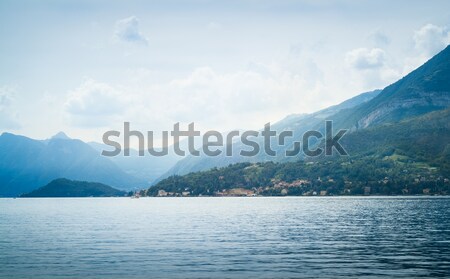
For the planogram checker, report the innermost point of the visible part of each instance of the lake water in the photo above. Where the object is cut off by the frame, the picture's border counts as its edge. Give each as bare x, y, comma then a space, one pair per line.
298, 237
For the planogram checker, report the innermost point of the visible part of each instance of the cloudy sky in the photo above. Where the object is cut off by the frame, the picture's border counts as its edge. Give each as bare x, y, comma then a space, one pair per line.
85, 67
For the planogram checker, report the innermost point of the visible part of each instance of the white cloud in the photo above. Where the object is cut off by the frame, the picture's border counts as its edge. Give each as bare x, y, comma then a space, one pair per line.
8, 116
430, 39
364, 58
224, 101
127, 30
245, 99
371, 68
94, 104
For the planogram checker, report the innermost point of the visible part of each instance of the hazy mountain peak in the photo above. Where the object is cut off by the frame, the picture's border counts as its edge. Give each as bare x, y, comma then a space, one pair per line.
61, 135
5, 134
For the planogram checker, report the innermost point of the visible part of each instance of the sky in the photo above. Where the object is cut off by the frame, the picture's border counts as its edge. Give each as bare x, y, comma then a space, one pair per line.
85, 67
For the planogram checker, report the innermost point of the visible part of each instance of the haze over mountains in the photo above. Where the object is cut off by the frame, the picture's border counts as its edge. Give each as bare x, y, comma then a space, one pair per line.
379, 121
146, 168
424, 90
26, 164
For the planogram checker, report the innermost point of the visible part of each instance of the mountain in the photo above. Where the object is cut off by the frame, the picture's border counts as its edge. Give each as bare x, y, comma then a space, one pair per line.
299, 124
68, 188
408, 157
26, 163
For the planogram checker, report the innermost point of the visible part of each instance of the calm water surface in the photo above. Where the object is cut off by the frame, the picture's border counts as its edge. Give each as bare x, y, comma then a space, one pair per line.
340, 237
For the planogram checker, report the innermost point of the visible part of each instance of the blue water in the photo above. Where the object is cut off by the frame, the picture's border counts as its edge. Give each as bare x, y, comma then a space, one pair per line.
361, 237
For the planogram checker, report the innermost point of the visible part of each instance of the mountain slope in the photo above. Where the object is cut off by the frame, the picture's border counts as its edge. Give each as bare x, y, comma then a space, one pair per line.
68, 188
424, 139
408, 157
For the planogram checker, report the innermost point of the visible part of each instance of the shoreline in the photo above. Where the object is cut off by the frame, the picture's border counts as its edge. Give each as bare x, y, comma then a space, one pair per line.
287, 196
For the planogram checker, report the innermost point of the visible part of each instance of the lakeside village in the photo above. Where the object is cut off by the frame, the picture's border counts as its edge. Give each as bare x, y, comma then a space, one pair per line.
302, 187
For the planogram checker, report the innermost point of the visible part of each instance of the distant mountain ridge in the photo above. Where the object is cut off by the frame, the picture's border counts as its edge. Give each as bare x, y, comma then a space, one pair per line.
26, 164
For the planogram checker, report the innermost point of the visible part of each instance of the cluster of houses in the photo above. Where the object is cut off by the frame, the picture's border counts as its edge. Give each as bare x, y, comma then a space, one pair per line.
279, 185
162, 193
283, 187
283, 184
235, 192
